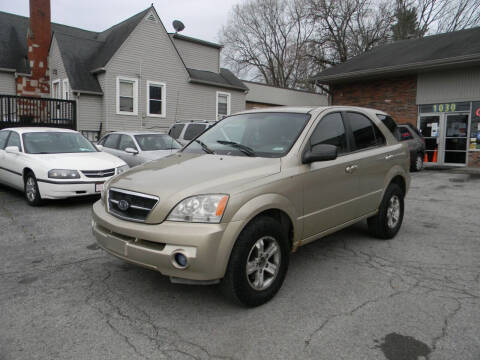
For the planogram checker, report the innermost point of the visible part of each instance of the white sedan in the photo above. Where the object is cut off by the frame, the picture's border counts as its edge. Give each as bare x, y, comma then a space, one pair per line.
50, 163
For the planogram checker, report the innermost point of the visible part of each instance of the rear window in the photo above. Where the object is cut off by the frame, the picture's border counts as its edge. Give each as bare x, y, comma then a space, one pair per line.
111, 141
391, 125
176, 130
193, 130
405, 134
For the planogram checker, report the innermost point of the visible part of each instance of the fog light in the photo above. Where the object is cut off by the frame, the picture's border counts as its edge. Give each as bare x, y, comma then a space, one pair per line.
180, 260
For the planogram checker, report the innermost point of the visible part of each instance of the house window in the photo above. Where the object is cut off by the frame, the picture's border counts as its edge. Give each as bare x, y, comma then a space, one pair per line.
127, 96
223, 105
66, 89
156, 99
56, 89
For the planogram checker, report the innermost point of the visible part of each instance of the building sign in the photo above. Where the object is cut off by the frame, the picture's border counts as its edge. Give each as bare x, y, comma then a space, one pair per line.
446, 107
475, 126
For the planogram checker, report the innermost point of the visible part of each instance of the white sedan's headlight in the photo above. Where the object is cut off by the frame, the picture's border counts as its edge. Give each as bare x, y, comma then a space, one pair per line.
122, 169
63, 174
200, 209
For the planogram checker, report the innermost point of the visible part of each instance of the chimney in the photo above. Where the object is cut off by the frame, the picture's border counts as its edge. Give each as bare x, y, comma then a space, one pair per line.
38, 42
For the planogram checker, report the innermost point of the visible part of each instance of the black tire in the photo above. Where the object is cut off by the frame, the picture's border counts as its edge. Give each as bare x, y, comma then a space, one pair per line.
236, 284
379, 225
417, 164
33, 197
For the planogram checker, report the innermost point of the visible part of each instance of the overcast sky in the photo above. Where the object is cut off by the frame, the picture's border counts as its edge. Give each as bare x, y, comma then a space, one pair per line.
202, 18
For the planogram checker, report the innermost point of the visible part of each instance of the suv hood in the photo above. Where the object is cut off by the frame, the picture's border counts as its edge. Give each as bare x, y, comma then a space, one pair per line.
185, 174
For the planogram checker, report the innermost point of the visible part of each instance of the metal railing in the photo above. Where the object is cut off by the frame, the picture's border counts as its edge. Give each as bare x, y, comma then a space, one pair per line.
18, 111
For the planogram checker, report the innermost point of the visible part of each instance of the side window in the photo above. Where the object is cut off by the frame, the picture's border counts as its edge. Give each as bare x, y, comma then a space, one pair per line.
193, 130
111, 141
362, 129
3, 139
330, 130
176, 130
405, 134
14, 140
126, 141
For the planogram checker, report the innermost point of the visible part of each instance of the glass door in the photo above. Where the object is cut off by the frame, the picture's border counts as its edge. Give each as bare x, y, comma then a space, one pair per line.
455, 139
429, 126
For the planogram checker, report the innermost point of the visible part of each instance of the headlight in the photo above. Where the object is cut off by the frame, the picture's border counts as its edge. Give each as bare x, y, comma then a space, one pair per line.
122, 169
200, 209
63, 174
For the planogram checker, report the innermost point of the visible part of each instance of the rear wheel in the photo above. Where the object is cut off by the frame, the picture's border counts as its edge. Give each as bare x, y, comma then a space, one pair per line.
258, 263
418, 164
32, 193
387, 222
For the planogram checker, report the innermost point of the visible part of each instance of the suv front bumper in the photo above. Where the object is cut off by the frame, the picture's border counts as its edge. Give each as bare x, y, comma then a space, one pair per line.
206, 246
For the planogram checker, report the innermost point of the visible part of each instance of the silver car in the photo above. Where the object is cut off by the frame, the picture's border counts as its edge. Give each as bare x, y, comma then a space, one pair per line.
136, 148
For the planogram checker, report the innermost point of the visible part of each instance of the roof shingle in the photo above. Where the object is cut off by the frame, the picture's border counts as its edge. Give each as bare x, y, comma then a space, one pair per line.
407, 56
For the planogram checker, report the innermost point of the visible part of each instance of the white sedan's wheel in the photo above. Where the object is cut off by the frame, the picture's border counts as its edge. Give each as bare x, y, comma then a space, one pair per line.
32, 194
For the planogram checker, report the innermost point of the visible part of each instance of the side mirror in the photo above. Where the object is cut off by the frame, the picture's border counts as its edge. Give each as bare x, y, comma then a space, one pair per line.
12, 149
132, 151
321, 152
99, 147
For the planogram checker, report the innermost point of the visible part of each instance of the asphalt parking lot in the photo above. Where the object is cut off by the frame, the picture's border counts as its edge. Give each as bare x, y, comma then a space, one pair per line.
348, 296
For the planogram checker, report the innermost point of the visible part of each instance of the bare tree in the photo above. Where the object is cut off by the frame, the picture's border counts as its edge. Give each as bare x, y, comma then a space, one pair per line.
269, 41
437, 16
345, 28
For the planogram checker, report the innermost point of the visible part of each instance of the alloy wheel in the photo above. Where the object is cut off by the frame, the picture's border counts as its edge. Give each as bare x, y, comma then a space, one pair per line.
393, 212
263, 263
31, 189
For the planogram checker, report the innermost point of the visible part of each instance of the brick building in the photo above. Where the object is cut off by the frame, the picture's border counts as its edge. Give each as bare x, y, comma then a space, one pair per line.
432, 83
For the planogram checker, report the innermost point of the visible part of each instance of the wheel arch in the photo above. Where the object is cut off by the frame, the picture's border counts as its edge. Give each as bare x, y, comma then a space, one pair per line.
27, 170
274, 205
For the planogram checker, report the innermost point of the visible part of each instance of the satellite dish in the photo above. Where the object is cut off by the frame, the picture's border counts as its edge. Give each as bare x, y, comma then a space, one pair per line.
178, 25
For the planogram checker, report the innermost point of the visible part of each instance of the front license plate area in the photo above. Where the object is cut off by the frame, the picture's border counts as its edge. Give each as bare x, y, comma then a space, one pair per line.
99, 187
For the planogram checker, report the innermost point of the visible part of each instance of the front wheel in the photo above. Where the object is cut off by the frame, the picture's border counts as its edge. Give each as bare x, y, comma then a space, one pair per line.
258, 263
387, 222
32, 193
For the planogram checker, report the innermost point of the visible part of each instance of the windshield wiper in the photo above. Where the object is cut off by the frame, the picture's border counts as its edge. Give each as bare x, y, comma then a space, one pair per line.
205, 147
243, 148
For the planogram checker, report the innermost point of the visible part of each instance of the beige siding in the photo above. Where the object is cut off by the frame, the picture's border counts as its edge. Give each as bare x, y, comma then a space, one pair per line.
7, 84
449, 86
197, 56
259, 93
89, 112
149, 55
55, 64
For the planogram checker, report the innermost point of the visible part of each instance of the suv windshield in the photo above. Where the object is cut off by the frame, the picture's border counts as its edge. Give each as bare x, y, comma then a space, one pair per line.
152, 142
255, 134
56, 143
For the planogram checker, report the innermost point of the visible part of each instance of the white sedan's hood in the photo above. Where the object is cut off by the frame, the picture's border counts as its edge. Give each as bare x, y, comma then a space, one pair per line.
80, 161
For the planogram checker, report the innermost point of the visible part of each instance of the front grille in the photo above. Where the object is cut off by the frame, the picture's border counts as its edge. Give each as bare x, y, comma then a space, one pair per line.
130, 205
98, 173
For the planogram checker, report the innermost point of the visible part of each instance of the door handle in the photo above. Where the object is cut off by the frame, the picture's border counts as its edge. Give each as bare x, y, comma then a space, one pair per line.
388, 157
350, 169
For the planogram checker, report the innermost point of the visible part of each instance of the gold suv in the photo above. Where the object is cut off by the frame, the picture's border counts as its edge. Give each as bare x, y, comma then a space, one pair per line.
237, 200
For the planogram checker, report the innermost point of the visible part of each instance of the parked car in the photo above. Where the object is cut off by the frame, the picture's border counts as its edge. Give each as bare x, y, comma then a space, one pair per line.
186, 131
416, 144
51, 163
136, 148
233, 211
